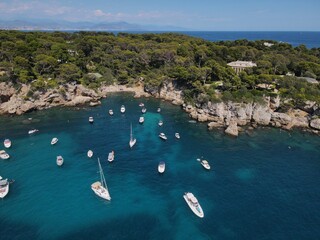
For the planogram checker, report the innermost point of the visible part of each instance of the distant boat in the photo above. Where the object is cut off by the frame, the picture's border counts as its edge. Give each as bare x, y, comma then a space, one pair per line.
91, 120
111, 156
4, 187
100, 187
132, 141
54, 141
177, 135
32, 131
192, 121
90, 154
161, 167
159, 110
111, 112
193, 203
160, 123
122, 109
59, 160
4, 155
205, 164
143, 110
141, 120
163, 136
7, 143
141, 104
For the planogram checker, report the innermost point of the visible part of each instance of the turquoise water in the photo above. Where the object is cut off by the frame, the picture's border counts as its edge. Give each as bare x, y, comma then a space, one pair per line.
263, 185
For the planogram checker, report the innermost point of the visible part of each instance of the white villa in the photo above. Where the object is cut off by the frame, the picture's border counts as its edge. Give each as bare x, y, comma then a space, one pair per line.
239, 66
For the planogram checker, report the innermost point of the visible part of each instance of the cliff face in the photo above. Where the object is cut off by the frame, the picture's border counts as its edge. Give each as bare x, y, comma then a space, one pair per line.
16, 101
232, 116
228, 115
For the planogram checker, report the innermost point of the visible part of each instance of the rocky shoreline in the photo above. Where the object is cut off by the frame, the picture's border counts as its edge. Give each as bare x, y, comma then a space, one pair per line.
228, 115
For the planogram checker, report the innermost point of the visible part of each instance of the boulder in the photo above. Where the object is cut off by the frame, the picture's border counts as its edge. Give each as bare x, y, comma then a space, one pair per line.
282, 118
261, 115
315, 123
232, 129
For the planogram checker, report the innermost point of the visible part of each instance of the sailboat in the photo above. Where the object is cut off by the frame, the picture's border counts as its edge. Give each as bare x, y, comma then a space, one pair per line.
132, 141
100, 187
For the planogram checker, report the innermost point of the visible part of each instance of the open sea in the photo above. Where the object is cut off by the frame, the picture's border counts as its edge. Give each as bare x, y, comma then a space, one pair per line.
262, 185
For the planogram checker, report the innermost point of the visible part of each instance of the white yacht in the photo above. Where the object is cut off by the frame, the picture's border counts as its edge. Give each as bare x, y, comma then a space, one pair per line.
122, 109
91, 120
132, 141
143, 110
4, 187
177, 135
59, 160
32, 131
4, 155
100, 187
141, 120
54, 141
111, 112
163, 136
141, 104
193, 204
111, 156
205, 164
90, 154
161, 167
160, 123
7, 143
159, 110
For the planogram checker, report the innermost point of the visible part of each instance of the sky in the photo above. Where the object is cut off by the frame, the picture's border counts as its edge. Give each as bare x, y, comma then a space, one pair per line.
211, 15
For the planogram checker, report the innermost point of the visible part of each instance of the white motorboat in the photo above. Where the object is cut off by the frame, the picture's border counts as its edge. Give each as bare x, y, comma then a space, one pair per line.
132, 141
205, 164
141, 120
161, 167
111, 156
159, 110
100, 187
141, 104
111, 112
91, 120
163, 136
160, 123
122, 109
54, 141
59, 160
4, 155
193, 204
143, 110
4, 187
32, 131
90, 154
7, 143
177, 135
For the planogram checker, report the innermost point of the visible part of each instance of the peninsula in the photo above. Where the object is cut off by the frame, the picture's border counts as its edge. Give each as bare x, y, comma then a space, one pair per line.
227, 84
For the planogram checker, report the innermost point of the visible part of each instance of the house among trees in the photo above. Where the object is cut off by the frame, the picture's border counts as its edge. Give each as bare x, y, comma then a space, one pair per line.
239, 66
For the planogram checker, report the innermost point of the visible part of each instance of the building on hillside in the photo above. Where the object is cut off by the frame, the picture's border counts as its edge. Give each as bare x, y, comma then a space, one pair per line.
239, 66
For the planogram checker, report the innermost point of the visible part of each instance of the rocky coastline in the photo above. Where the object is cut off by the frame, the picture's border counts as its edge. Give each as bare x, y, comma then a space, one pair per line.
230, 116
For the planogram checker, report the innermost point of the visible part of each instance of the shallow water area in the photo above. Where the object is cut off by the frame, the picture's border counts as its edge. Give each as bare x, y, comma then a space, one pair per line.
261, 186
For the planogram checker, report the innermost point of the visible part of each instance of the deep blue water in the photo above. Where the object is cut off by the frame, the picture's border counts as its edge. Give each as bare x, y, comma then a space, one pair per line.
263, 184
309, 39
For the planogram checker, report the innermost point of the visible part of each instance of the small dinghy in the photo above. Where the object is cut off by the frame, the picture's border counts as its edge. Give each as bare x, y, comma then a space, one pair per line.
59, 160
111, 112
90, 154
161, 167
7, 143
111, 156
91, 120
54, 141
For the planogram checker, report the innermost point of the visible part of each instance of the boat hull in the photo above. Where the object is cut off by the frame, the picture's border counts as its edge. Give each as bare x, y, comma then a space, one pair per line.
4, 191
132, 142
161, 167
196, 210
101, 192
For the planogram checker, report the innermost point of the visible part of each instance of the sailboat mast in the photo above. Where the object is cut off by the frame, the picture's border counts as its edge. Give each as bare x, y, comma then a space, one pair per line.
102, 178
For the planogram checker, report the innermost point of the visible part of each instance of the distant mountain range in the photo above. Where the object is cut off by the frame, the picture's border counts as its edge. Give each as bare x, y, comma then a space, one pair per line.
41, 24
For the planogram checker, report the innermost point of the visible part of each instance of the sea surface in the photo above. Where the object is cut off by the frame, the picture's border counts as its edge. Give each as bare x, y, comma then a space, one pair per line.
262, 185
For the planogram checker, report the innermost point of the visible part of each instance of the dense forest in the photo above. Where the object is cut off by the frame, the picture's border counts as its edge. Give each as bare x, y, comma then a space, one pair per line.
49, 59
